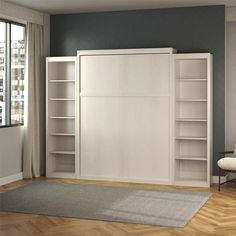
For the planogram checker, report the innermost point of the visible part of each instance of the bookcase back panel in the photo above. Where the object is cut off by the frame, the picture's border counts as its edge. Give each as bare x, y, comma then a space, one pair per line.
191, 68
191, 129
62, 108
62, 126
61, 71
190, 148
191, 170
62, 90
61, 143
197, 110
194, 90
64, 163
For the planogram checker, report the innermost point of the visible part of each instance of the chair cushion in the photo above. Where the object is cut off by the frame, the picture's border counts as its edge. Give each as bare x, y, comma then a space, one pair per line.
227, 163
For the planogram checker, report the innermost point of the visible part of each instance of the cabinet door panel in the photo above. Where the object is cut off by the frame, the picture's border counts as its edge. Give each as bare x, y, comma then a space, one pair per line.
125, 137
127, 74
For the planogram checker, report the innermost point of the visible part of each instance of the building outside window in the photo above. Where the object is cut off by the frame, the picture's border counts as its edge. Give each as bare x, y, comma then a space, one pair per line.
12, 69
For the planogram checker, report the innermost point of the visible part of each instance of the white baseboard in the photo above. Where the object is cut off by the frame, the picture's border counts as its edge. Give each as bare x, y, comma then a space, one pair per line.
19, 176
215, 179
11, 178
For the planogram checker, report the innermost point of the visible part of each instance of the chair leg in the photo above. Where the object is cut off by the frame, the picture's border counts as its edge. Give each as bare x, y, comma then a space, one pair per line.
219, 179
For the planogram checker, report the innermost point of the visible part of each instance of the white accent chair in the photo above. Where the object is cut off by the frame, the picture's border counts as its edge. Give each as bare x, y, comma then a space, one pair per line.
227, 163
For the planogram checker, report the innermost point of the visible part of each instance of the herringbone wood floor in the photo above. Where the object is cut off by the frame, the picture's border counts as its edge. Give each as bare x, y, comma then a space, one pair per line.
217, 217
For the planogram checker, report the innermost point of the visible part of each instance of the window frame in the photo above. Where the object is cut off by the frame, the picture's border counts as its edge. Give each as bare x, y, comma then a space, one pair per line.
8, 84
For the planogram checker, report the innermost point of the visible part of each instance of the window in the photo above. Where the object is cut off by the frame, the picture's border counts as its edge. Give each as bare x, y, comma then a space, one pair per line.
12, 66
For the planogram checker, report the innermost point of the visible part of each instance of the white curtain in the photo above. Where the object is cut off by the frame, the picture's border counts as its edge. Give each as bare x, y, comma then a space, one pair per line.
34, 76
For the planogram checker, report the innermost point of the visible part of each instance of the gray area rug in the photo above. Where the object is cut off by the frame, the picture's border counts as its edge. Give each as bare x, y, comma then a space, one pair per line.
121, 204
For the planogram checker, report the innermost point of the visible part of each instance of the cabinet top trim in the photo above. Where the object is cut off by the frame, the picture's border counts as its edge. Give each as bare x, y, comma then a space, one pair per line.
186, 56
61, 59
126, 51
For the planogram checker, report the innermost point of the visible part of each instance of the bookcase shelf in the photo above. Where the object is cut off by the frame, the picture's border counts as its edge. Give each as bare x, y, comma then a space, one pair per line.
191, 100
62, 81
63, 152
193, 119
62, 99
190, 157
61, 116
63, 134
190, 120
191, 138
191, 80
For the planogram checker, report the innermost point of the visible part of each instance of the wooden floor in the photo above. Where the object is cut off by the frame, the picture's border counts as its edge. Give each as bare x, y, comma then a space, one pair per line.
217, 217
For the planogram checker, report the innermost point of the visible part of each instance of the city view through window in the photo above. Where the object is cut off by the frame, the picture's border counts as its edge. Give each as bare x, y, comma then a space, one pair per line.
12, 65
2, 72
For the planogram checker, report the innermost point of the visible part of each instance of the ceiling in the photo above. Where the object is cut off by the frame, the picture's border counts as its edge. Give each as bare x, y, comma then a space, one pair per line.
76, 6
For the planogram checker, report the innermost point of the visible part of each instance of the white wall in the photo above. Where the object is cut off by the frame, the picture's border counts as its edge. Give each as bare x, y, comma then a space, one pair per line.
11, 158
230, 14
18, 13
46, 23
230, 116
11, 140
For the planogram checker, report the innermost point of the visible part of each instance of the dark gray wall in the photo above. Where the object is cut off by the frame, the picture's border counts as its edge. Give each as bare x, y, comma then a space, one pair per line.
194, 29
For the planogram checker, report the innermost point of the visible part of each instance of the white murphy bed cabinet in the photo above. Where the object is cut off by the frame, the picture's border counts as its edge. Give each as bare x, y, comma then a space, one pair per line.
140, 115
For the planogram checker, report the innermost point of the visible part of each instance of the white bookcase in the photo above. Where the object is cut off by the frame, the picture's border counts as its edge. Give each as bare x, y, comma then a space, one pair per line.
136, 115
193, 119
61, 117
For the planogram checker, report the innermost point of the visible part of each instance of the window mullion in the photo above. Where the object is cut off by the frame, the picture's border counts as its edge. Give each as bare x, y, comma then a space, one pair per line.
8, 74
12, 58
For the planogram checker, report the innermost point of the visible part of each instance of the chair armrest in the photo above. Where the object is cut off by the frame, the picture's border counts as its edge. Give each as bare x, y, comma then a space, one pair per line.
223, 154
226, 152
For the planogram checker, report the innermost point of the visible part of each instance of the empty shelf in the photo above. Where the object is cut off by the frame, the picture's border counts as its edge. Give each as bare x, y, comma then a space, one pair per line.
63, 152
189, 157
61, 80
62, 99
191, 119
62, 117
62, 134
190, 138
191, 79
191, 100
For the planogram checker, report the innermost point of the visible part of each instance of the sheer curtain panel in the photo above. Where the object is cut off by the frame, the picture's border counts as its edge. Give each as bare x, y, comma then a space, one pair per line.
34, 92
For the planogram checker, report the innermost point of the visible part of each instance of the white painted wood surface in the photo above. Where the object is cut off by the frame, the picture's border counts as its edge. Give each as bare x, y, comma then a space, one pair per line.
193, 115
125, 74
125, 137
140, 116
61, 121
230, 14
125, 115
11, 178
126, 51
